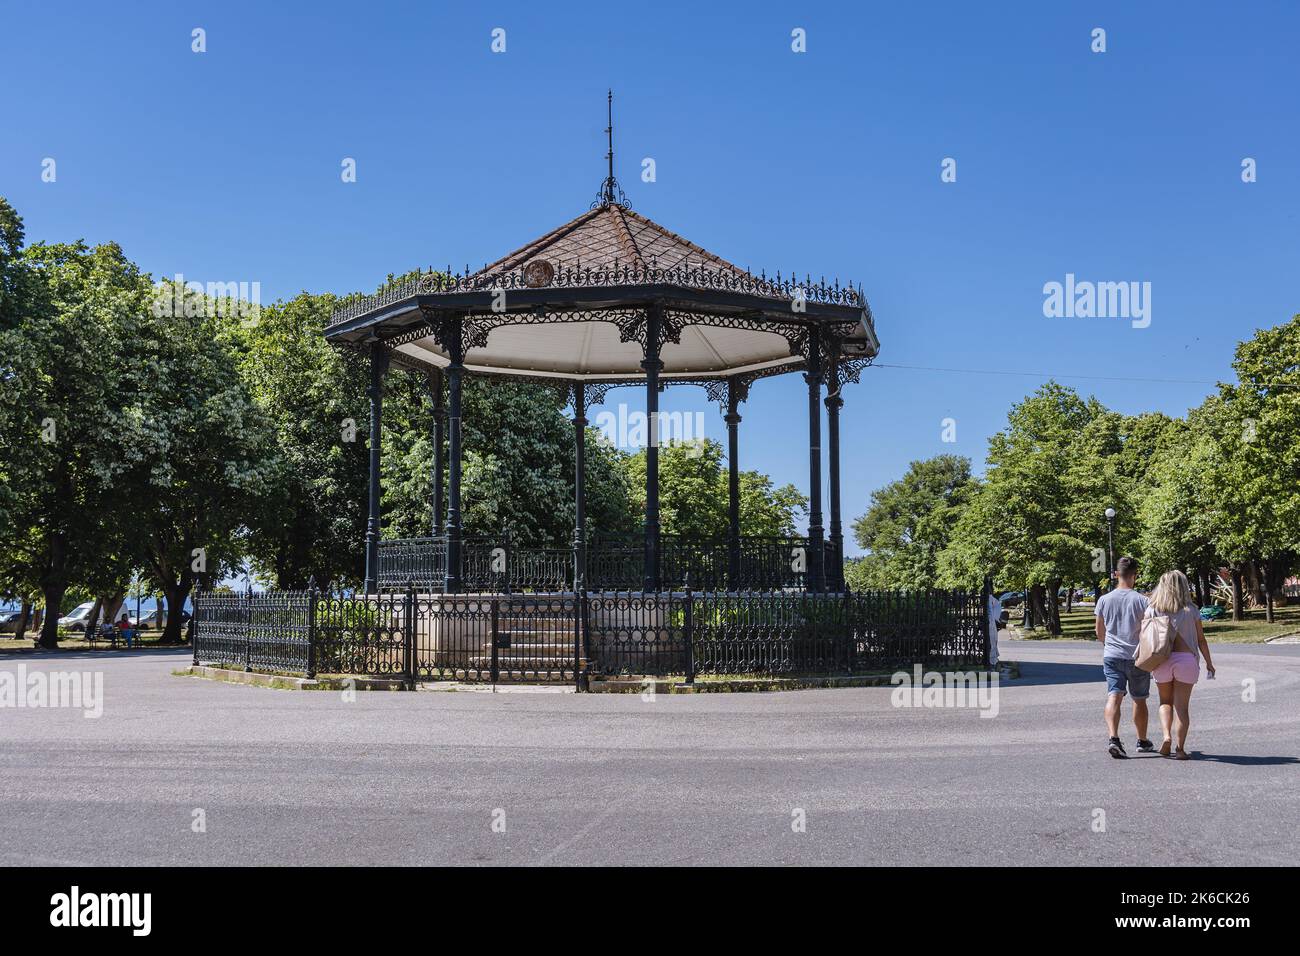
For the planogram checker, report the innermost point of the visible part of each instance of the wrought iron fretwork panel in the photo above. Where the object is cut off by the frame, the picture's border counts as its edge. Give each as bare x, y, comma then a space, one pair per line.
260, 631
613, 562
771, 634
635, 634
420, 561
899, 628
686, 276
497, 638
362, 634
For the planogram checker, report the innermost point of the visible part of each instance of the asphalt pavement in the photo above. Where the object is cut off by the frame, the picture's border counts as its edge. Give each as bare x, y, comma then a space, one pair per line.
179, 770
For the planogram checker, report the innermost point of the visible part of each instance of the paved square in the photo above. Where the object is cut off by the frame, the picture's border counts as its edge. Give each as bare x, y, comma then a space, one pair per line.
294, 777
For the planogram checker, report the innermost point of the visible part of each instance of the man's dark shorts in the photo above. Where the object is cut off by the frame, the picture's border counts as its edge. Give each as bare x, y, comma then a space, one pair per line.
1125, 677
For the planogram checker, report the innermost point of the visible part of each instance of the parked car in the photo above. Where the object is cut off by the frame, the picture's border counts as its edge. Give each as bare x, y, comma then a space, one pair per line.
9, 622
1012, 599
150, 619
75, 620
147, 619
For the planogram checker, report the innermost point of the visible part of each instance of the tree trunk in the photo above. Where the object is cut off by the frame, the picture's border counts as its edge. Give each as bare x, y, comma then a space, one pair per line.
1266, 577
176, 595
24, 620
92, 620
49, 638
1237, 594
1054, 607
1277, 572
1254, 581
1037, 607
113, 605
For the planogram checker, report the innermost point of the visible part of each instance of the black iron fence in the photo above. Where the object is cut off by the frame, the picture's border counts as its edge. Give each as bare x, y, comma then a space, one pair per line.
271, 631
572, 637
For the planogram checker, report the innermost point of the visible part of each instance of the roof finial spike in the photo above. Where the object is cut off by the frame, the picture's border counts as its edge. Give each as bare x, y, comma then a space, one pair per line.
609, 156
611, 194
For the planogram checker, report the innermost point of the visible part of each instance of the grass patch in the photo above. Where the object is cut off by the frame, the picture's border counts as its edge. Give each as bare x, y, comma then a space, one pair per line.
77, 642
1078, 626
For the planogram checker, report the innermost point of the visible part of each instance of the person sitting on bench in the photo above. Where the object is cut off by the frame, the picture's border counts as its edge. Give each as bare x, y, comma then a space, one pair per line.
125, 629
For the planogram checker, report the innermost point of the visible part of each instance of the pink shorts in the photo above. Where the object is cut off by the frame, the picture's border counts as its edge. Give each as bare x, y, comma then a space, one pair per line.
1181, 666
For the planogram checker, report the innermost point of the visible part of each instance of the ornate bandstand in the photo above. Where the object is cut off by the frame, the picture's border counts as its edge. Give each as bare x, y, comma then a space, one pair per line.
607, 300
610, 299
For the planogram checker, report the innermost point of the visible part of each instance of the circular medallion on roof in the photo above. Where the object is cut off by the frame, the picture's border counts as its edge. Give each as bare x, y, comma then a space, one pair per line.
538, 274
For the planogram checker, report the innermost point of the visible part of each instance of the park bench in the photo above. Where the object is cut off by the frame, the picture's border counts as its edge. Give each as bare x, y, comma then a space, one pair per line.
110, 634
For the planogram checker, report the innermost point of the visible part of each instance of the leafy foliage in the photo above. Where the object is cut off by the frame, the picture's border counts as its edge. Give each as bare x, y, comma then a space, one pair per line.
909, 523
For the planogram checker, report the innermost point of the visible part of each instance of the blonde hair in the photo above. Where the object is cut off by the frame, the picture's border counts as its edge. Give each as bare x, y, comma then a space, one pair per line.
1172, 593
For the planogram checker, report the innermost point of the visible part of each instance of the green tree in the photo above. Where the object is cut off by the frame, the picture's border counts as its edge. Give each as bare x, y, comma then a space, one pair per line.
1259, 440
693, 495
312, 520
16, 576
1180, 516
909, 523
1021, 527
75, 438
209, 450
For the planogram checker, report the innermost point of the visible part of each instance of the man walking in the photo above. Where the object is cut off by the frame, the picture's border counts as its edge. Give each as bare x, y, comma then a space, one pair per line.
1119, 622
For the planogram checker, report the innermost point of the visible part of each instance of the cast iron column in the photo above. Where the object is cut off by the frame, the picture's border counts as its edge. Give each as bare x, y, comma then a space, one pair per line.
733, 486
816, 561
579, 485
652, 365
835, 578
456, 352
378, 366
439, 450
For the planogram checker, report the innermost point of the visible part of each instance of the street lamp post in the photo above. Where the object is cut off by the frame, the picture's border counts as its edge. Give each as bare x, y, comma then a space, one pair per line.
1110, 549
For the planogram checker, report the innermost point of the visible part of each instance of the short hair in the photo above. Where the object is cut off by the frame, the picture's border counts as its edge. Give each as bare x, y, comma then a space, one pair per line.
1127, 567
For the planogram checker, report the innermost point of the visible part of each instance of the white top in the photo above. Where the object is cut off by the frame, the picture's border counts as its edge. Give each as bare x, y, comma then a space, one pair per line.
1185, 623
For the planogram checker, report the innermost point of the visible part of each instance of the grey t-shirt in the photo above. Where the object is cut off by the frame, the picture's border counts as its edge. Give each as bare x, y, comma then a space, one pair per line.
1121, 610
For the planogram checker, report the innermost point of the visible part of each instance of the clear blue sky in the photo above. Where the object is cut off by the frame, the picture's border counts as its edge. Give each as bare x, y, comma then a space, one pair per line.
1118, 166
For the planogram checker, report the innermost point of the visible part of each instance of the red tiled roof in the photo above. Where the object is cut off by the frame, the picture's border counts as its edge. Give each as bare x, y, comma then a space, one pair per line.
610, 236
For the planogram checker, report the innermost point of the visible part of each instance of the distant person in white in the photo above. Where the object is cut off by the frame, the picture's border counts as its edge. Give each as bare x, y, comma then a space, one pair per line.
995, 618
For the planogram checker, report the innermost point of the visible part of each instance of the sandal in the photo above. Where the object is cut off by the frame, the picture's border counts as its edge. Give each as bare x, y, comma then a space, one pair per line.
1183, 755
1165, 747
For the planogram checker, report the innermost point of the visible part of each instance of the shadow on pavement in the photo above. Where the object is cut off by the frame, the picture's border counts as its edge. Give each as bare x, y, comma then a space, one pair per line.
25, 655
1048, 672
1244, 761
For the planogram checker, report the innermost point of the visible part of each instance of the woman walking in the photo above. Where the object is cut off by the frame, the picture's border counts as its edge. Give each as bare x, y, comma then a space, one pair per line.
1177, 675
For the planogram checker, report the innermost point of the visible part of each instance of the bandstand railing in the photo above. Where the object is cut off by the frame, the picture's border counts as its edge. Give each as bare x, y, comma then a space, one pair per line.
586, 635
612, 562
